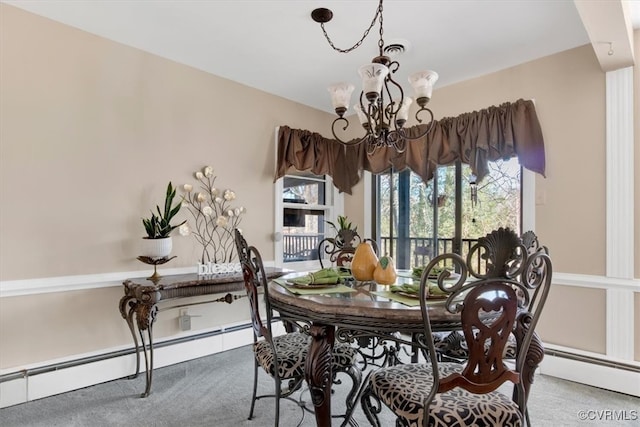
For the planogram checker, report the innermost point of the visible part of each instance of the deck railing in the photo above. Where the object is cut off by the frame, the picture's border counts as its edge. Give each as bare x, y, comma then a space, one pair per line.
422, 249
303, 247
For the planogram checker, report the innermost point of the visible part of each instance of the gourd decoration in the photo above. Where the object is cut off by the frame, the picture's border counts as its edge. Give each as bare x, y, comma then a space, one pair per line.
364, 262
385, 271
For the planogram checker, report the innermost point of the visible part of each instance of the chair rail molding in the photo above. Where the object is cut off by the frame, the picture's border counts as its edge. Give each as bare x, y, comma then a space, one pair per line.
44, 285
620, 210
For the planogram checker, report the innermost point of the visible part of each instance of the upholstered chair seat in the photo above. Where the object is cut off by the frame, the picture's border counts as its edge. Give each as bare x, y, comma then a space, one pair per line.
404, 388
292, 349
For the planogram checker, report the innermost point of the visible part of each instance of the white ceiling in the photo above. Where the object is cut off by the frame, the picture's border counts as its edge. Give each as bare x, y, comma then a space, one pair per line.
276, 47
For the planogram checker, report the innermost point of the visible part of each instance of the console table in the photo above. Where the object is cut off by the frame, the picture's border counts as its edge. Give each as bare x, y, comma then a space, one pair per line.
141, 296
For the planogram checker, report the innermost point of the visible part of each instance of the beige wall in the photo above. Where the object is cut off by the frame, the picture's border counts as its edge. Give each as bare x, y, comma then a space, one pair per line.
91, 133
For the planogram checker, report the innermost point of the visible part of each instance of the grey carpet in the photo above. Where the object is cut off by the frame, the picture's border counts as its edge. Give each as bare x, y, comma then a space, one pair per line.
216, 390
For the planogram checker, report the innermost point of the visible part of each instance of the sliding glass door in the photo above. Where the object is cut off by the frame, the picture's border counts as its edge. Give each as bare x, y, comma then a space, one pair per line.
417, 221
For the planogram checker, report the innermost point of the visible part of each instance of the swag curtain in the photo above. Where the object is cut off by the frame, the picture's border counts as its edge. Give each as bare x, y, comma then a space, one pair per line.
497, 132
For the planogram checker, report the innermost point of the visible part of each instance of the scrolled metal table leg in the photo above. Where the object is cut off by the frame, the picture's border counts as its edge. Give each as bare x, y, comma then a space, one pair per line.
318, 371
149, 365
146, 316
127, 315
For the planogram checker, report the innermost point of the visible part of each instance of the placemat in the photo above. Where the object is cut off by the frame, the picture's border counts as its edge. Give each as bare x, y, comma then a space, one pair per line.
317, 291
411, 302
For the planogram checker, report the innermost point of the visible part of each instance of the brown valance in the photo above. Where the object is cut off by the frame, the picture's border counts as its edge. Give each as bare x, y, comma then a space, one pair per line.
497, 132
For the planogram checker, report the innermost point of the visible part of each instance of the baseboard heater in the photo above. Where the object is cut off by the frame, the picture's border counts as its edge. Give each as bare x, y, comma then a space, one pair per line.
592, 360
110, 355
105, 356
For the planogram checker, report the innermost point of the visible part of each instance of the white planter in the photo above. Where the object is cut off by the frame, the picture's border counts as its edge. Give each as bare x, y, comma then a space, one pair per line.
156, 248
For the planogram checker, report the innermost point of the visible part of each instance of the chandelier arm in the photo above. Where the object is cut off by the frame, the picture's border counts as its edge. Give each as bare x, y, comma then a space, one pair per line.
396, 105
373, 113
364, 36
333, 131
400, 145
403, 133
420, 111
373, 144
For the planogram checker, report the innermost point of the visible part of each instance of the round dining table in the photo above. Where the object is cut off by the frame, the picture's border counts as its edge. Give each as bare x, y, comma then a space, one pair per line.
357, 306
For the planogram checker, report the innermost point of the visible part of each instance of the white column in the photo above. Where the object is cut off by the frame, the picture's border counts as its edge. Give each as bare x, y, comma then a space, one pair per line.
619, 210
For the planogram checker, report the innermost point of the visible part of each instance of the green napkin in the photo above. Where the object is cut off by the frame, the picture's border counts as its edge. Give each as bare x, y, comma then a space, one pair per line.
325, 276
414, 288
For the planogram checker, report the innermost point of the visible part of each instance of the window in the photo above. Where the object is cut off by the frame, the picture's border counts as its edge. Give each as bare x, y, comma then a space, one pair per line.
416, 222
305, 203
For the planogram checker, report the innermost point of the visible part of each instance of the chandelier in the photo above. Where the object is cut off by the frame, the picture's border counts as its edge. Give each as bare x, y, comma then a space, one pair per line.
382, 109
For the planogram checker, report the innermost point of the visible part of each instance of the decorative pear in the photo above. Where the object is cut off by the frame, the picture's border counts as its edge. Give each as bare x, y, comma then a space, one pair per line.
385, 271
364, 262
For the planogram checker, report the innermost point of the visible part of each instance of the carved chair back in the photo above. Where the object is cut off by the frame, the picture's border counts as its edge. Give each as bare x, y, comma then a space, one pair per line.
254, 279
493, 303
341, 248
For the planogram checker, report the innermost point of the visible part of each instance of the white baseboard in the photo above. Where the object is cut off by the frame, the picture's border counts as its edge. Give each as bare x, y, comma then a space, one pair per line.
27, 388
608, 378
58, 381
24, 389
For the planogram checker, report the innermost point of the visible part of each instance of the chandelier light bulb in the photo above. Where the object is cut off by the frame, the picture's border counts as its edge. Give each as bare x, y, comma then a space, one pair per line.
422, 83
341, 96
373, 76
362, 116
403, 112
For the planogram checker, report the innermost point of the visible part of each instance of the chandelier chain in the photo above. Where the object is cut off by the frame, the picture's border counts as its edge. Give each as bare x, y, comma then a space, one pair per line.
381, 41
364, 36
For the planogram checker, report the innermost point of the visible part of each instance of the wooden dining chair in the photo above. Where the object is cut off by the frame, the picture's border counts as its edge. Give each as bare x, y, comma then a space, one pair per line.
452, 346
283, 357
507, 299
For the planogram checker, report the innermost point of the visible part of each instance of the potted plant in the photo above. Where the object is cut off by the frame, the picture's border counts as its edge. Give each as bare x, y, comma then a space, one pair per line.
346, 233
158, 243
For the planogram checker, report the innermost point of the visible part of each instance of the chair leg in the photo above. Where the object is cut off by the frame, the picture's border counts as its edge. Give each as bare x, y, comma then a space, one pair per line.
356, 378
255, 388
278, 392
371, 406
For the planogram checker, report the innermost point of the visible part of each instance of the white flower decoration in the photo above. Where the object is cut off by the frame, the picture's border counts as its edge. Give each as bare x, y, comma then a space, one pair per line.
207, 210
208, 171
215, 191
229, 195
218, 200
188, 188
242, 209
201, 197
185, 204
230, 213
184, 229
199, 175
237, 211
222, 221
